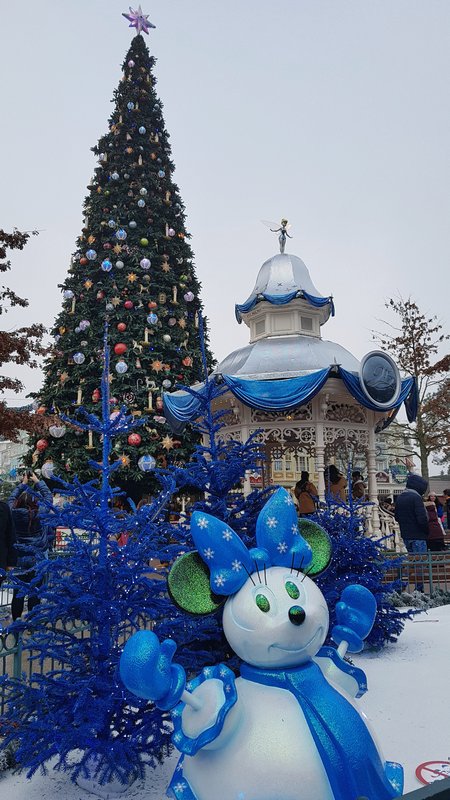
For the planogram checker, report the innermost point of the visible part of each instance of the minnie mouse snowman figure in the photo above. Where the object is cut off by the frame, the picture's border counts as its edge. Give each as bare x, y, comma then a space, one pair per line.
287, 728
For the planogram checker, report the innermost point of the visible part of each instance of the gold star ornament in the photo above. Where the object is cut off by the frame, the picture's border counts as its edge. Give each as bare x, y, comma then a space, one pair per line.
156, 366
167, 442
132, 277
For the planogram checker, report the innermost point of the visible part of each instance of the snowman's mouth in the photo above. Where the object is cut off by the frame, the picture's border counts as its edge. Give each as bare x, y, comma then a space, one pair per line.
285, 649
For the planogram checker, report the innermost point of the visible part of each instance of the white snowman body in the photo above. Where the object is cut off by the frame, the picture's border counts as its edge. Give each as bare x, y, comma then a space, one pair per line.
265, 749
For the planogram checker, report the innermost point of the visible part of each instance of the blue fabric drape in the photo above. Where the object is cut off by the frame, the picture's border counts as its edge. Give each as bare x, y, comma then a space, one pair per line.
353, 385
412, 401
279, 394
281, 300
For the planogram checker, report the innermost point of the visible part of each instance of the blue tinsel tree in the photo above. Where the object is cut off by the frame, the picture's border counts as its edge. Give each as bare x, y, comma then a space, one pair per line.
78, 709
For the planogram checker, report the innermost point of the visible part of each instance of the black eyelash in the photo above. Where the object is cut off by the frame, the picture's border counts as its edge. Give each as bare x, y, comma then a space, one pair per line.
265, 575
300, 566
257, 570
249, 575
306, 573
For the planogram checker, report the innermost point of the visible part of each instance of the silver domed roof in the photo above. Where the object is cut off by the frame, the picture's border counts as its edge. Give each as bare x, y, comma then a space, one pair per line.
285, 357
282, 275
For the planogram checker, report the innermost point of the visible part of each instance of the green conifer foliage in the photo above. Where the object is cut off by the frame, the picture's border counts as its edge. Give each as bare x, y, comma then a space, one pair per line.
133, 265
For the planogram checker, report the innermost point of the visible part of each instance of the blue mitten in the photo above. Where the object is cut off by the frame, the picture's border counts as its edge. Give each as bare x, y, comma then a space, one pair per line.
146, 669
355, 614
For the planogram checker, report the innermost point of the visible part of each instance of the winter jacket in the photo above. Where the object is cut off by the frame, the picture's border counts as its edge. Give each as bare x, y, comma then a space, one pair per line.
307, 499
435, 529
337, 490
410, 510
35, 535
8, 556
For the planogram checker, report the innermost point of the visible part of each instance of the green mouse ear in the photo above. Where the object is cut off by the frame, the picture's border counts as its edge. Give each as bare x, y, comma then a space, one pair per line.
319, 542
189, 587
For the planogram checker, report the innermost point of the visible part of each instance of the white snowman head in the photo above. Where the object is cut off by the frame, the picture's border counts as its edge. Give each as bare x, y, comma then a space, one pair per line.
279, 622
275, 616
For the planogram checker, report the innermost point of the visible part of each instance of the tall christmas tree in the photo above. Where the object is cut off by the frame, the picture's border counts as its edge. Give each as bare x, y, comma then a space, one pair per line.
133, 265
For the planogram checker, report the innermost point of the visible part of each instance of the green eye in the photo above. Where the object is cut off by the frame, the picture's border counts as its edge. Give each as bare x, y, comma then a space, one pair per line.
292, 590
262, 602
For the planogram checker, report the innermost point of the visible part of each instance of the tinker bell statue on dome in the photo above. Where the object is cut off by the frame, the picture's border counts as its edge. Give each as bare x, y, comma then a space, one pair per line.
282, 230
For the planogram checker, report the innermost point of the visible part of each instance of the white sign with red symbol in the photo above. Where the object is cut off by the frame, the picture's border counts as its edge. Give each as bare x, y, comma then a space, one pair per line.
431, 771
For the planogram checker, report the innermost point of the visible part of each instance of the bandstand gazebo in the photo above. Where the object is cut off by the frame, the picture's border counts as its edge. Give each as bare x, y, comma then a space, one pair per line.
307, 396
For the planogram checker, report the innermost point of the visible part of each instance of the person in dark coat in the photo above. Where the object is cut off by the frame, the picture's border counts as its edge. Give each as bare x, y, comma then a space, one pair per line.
8, 555
412, 518
31, 533
435, 539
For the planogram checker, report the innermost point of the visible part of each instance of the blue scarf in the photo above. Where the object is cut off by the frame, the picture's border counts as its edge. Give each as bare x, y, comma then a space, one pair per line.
345, 745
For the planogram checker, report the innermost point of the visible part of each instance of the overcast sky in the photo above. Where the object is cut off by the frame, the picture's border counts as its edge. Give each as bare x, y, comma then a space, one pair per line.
333, 113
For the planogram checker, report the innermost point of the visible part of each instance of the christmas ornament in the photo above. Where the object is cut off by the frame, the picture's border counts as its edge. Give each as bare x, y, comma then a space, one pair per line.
187, 362
145, 263
172, 321
57, 431
167, 442
152, 305
79, 358
132, 277
142, 130
156, 366
130, 106
84, 324
96, 395
159, 403
115, 176
109, 307
47, 470
152, 319
144, 241
143, 191
124, 460
121, 234
41, 410
132, 224
131, 63
88, 284
117, 249
141, 203
189, 297
121, 327
41, 445
106, 265
120, 264
91, 255
107, 246
161, 173
121, 367
68, 294
100, 294
292, 707
112, 223
170, 232
115, 301
128, 304
138, 20
167, 337
120, 348
146, 463
166, 383
134, 439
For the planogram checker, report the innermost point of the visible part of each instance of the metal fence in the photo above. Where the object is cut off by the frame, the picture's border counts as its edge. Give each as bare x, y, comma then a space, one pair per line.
427, 572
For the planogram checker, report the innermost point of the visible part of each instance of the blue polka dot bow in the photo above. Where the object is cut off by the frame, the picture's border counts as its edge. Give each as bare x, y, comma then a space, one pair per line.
279, 544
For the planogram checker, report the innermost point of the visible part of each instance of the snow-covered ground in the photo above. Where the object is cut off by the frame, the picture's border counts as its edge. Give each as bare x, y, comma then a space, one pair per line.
407, 705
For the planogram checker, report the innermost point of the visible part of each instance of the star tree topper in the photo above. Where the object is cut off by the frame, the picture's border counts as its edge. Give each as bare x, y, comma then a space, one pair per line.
139, 20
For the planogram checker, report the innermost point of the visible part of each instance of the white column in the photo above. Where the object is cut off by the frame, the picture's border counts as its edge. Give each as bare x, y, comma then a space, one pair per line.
371, 474
320, 405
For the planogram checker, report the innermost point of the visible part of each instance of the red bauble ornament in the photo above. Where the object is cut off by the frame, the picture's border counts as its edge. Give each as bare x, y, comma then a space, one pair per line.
96, 395
187, 361
134, 439
100, 295
41, 445
152, 304
128, 304
83, 261
107, 246
120, 349
121, 327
